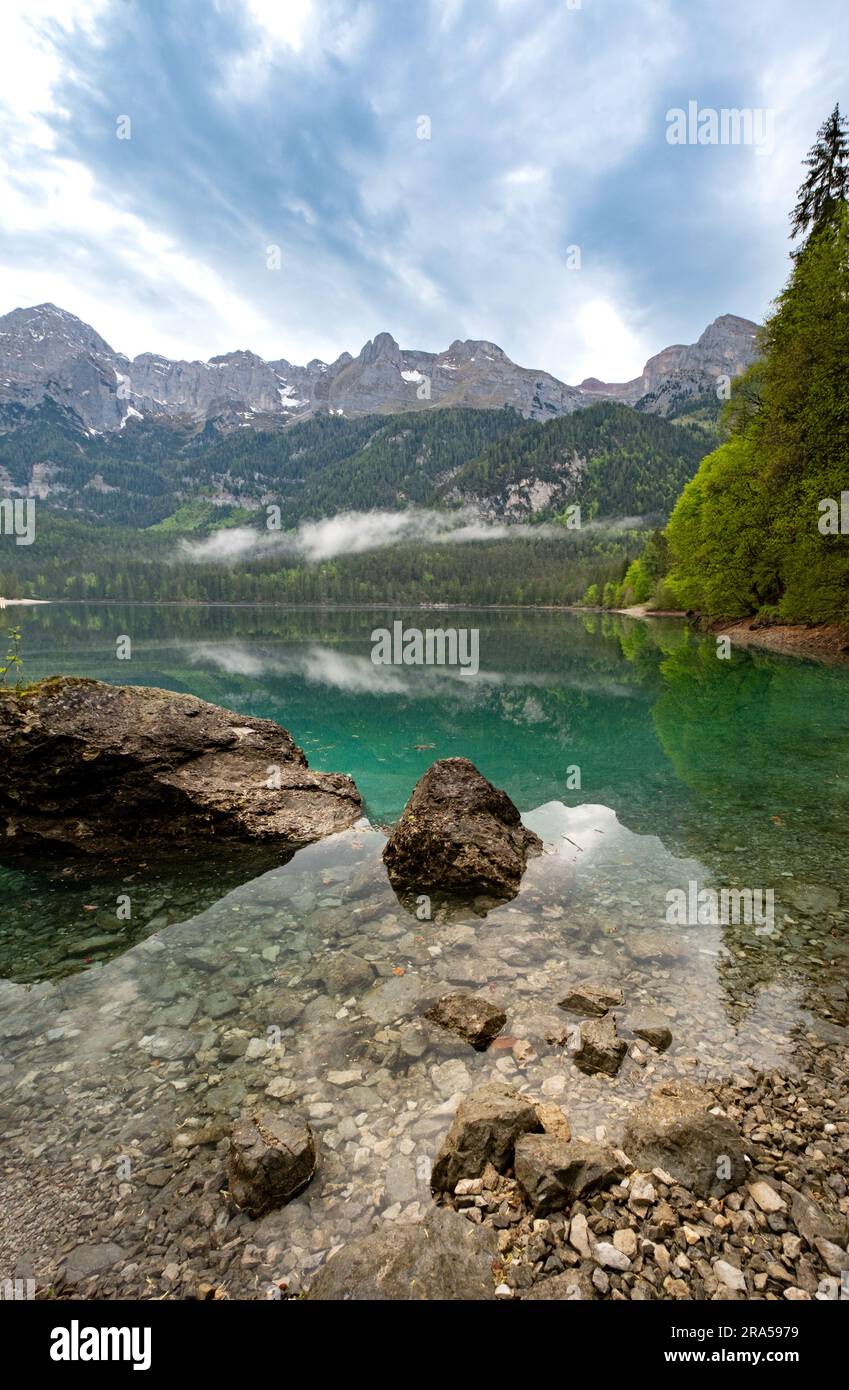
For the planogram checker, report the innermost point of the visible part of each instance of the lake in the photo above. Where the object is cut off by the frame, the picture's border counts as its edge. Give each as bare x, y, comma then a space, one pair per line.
646, 763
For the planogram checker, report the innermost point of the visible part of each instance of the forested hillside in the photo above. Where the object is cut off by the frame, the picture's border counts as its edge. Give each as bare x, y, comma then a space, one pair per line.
612, 460
759, 529
72, 560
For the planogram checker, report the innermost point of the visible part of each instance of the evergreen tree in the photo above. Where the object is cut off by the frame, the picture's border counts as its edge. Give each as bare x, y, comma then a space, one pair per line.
827, 182
746, 536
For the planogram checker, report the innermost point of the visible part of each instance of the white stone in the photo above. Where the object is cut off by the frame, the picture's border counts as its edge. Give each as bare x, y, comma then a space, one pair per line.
579, 1236
730, 1275
766, 1197
607, 1255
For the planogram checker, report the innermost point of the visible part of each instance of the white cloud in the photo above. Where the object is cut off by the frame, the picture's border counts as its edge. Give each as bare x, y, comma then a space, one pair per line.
282, 21
354, 533
539, 124
604, 337
350, 533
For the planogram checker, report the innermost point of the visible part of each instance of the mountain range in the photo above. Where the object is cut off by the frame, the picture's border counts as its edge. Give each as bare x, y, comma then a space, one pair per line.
48, 354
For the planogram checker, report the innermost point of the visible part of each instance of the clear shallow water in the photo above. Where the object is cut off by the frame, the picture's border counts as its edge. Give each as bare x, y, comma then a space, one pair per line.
218, 994
742, 763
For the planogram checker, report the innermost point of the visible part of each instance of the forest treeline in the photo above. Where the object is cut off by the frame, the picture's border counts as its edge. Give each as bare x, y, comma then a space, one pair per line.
763, 527
72, 560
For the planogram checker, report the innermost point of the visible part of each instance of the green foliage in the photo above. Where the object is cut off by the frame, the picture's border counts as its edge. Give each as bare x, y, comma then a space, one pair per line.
155, 473
636, 586
744, 537
74, 560
612, 460
723, 558
826, 184
120, 504
13, 659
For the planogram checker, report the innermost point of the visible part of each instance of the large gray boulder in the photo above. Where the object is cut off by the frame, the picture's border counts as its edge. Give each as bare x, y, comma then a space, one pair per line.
554, 1173
459, 836
485, 1129
675, 1131
107, 768
444, 1259
271, 1160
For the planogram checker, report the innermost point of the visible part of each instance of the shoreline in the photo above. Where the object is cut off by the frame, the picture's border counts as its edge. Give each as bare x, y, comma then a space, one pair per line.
824, 642
818, 642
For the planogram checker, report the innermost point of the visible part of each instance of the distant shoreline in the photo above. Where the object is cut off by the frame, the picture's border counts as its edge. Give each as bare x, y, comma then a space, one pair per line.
824, 642
381, 606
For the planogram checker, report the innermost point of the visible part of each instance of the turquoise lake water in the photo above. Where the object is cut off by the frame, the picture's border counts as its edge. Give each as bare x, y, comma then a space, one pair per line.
741, 763
644, 762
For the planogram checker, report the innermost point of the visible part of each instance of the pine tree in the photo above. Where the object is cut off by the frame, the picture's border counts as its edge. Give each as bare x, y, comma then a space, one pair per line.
744, 536
827, 182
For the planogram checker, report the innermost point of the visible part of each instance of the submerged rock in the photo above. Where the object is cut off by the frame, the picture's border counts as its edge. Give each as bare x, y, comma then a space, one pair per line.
271, 1160
651, 1026
600, 1048
676, 1131
485, 1129
344, 973
811, 899
459, 836
591, 998
477, 1021
106, 768
444, 1258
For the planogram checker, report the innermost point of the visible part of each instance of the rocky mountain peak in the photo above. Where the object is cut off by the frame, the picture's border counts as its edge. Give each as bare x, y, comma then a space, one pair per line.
725, 348
383, 346
48, 353
53, 326
471, 348
240, 358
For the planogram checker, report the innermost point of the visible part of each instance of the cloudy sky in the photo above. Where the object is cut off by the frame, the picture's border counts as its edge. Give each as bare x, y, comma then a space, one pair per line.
296, 124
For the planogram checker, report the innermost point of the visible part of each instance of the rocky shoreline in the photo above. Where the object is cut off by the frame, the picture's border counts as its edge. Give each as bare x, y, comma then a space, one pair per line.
730, 1187
621, 1232
634, 1232
314, 1090
816, 641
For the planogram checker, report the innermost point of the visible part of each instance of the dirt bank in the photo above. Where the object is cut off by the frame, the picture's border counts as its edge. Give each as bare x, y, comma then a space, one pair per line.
826, 642
820, 642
